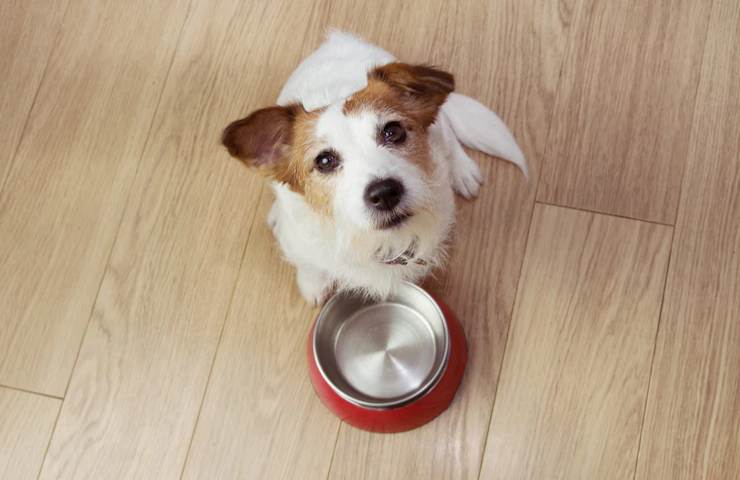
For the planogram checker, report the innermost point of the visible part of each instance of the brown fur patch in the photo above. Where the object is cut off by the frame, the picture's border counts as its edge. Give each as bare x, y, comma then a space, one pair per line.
417, 150
260, 138
279, 143
417, 90
376, 96
292, 167
318, 194
316, 187
296, 169
380, 97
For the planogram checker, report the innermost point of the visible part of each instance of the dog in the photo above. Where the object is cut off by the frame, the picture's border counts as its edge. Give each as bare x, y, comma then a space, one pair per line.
364, 153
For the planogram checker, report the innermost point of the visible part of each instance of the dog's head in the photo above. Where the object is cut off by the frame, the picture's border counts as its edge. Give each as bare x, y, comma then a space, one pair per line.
366, 160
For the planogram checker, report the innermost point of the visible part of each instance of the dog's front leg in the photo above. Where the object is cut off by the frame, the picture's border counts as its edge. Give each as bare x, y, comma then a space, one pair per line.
466, 175
315, 285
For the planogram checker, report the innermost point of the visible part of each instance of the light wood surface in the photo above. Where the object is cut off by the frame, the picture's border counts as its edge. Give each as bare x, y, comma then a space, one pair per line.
140, 284
574, 382
26, 423
28, 30
624, 108
692, 426
64, 196
145, 361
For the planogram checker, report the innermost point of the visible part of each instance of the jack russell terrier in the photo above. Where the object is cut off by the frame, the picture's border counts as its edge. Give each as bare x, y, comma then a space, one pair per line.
364, 153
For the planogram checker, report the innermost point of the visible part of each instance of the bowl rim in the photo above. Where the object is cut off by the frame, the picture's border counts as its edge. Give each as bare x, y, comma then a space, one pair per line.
417, 393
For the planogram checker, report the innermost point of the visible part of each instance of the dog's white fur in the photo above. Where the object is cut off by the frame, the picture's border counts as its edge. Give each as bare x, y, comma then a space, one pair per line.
342, 251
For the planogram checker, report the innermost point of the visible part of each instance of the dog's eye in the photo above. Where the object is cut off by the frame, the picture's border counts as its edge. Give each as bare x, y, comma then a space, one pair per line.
393, 132
326, 161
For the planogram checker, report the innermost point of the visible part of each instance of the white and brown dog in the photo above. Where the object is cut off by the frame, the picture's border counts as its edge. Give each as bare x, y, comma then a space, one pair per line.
364, 154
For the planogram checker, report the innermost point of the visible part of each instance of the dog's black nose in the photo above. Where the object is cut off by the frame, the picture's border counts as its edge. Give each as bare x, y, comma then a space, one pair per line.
384, 194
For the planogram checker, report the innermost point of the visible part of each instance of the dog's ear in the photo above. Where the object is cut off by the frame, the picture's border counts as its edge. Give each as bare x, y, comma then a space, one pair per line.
263, 138
424, 88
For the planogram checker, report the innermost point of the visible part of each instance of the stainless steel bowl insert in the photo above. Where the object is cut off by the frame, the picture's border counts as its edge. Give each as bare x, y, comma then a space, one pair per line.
381, 354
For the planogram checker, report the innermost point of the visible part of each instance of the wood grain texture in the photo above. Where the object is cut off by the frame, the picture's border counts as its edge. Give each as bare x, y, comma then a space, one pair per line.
63, 199
26, 423
119, 209
575, 377
261, 417
624, 109
692, 426
27, 33
513, 68
142, 371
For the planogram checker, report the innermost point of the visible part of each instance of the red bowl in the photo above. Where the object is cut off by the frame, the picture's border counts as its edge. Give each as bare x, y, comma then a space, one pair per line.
410, 413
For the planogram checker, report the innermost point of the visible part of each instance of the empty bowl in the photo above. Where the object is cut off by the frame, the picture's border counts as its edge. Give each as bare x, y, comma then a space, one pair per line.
386, 366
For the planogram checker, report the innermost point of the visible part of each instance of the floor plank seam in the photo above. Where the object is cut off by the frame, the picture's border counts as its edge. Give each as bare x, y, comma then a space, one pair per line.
506, 341
115, 239
41, 394
693, 114
22, 136
220, 336
564, 57
670, 251
652, 359
126, 201
540, 168
608, 214
51, 436
334, 449
562, 390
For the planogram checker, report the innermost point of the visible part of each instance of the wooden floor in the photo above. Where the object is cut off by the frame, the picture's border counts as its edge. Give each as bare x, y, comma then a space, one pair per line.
150, 330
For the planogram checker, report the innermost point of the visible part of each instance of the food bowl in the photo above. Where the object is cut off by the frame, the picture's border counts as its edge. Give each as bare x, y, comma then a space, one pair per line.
386, 366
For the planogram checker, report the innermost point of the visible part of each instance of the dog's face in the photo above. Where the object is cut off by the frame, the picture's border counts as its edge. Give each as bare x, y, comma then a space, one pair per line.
365, 162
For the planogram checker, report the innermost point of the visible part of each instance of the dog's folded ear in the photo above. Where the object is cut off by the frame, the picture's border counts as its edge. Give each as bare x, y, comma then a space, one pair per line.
262, 138
425, 88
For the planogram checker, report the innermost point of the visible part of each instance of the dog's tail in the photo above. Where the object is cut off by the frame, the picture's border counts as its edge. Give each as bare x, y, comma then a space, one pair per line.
480, 129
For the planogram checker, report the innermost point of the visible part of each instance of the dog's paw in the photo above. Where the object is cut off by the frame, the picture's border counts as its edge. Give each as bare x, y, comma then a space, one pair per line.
466, 178
315, 287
